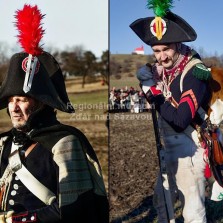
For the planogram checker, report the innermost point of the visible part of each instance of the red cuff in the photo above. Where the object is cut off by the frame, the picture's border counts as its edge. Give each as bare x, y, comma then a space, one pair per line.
155, 91
26, 217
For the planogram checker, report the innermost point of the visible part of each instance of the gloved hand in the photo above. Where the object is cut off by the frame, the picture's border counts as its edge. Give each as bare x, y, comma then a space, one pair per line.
145, 76
153, 95
144, 73
6, 217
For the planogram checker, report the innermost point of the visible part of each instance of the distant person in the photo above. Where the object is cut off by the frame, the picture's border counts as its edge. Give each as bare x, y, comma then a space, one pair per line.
177, 84
123, 99
141, 101
112, 99
49, 171
135, 99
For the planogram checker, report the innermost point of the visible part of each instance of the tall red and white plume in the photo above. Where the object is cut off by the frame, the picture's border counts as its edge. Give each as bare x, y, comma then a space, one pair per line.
29, 26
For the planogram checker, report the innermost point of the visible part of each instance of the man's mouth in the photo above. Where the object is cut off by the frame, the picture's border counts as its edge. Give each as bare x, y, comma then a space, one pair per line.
165, 61
17, 116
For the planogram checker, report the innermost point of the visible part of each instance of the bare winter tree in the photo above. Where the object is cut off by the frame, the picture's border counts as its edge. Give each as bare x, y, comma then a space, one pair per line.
4, 60
103, 66
89, 65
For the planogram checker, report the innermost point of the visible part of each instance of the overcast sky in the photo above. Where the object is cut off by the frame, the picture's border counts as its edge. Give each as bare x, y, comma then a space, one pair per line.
67, 23
203, 15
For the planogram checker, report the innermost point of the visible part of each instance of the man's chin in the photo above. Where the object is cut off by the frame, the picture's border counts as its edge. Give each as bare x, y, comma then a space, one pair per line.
19, 125
167, 65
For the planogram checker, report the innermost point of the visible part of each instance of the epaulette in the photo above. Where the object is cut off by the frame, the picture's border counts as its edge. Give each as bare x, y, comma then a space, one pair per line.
201, 72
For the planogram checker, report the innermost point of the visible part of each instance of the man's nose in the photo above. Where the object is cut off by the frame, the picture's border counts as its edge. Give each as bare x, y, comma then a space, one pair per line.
14, 106
163, 56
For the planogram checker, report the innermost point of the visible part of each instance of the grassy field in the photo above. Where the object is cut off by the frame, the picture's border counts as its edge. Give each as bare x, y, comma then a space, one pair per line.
124, 81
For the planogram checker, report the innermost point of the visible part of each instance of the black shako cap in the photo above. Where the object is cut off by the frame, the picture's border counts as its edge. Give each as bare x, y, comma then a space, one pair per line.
178, 30
48, 83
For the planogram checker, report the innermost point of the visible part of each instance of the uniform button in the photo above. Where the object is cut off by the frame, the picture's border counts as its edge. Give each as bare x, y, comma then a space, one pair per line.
16, 178
13, 192
11, 202
23, 219
32, 218
16, 186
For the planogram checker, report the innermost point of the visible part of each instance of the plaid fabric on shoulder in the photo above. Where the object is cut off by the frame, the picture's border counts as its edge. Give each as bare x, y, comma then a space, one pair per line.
74, 175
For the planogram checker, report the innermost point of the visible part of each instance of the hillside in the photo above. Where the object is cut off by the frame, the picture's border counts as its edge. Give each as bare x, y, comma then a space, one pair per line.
123, 68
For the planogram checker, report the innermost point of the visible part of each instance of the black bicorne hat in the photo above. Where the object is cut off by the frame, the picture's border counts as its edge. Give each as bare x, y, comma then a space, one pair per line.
174, 30
34, 72
47, 85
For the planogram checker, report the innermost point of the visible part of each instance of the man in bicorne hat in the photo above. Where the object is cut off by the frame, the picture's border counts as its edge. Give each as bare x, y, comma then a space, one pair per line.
49, 171
177, 84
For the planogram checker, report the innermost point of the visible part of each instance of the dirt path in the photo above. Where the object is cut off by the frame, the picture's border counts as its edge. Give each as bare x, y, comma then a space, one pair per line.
133, 166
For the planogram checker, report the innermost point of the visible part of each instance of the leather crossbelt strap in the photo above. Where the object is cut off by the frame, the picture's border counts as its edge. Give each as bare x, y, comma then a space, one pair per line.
190, 131
35, 186
193, 62
186, 69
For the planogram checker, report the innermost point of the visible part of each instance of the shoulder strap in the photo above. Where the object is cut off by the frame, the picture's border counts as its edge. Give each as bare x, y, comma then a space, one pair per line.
35, 186
2, 142
186, 69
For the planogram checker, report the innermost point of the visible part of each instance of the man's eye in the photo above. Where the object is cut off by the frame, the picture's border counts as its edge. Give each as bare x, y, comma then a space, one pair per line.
24, 100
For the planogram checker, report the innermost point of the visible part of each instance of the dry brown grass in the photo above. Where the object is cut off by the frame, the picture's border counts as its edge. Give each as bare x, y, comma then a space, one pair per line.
74, 85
